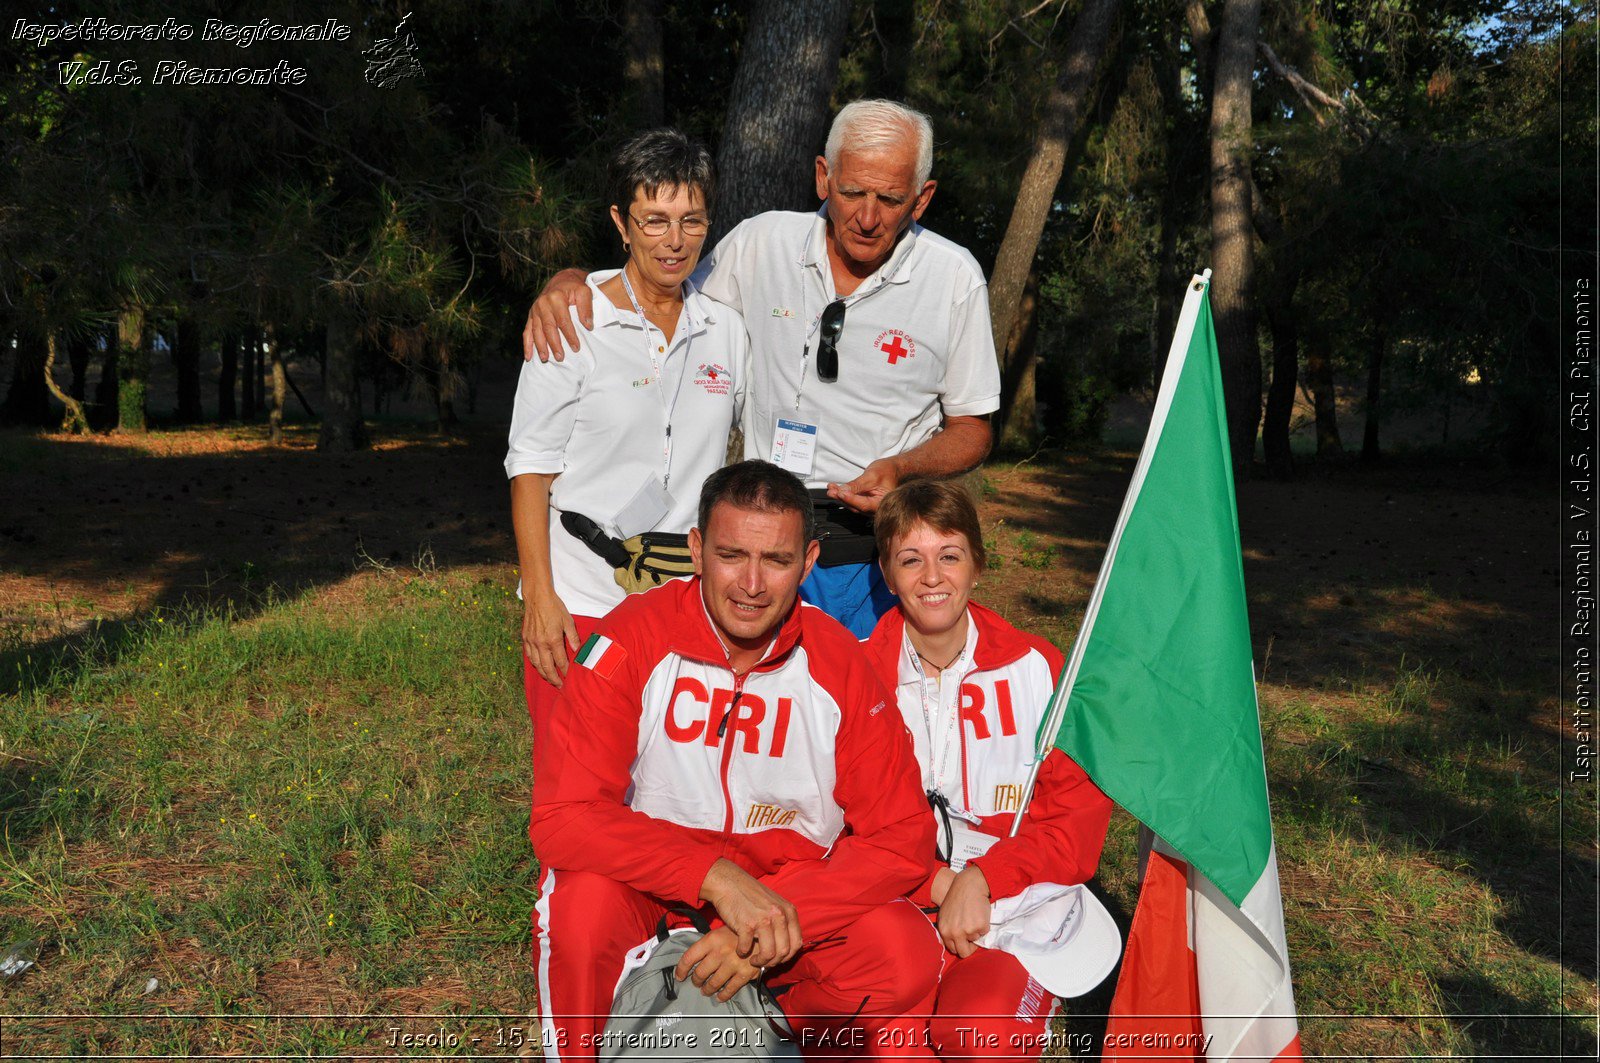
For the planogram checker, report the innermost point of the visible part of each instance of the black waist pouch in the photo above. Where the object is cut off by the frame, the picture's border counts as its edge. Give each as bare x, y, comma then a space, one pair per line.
845, 535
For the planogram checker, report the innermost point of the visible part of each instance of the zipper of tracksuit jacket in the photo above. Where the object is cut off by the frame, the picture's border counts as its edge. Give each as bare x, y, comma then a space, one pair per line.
727, 755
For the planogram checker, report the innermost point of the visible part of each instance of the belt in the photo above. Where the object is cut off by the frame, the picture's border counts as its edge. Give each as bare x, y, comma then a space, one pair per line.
846, 536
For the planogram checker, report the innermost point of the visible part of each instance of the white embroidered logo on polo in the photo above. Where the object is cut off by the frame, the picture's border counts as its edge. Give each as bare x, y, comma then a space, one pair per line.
713, 378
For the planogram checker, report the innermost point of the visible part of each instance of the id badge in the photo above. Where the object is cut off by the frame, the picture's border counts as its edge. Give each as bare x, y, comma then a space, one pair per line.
966, 844
644, 510
794, 444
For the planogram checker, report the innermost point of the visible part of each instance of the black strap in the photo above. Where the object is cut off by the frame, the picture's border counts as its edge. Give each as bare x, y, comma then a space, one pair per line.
594, 537
696, 919
941, 815
846, 536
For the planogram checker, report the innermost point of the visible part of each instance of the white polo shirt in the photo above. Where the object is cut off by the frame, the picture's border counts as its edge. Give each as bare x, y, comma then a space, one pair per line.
916, 345
600, 417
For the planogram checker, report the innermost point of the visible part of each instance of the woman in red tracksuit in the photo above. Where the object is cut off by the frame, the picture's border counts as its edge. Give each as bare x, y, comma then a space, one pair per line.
973, 690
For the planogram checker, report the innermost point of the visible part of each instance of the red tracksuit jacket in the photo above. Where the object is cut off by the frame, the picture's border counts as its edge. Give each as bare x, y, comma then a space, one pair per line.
809, 783
1004, 696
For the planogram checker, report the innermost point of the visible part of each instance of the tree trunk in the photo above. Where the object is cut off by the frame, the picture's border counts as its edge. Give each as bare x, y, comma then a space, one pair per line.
311, 343
227, 408
133, 371
643, 72
1369, 438
1278, 300
104, 414
342, 427
449, 387
896, 24
79, 350
74, 420
1201, 38
1285, 370
1319, 381
1018, 379
778, 107
1232, 250
186, 359
252, 376
1063, 110
1170, 82
1166, 323
28, 399
280, 384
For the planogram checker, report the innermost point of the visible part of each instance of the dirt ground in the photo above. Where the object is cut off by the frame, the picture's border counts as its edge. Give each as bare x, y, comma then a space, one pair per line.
109, 528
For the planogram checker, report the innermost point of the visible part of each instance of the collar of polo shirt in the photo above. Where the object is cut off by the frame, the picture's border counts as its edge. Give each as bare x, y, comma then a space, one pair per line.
701, 309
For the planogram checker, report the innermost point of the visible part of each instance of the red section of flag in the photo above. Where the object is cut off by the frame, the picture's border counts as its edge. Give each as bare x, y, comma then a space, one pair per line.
607, 666
1156, 1011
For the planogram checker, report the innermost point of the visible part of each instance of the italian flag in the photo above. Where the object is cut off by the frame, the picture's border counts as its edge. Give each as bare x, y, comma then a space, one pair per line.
600, 655
1158, 705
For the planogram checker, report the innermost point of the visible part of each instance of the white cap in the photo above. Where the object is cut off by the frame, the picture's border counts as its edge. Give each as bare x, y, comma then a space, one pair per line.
1062, 935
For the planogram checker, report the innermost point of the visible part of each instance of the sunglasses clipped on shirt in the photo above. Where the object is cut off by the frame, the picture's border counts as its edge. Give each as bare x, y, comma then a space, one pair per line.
828, 341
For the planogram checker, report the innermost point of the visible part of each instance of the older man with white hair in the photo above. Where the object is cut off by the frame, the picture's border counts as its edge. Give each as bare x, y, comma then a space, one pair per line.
872, 360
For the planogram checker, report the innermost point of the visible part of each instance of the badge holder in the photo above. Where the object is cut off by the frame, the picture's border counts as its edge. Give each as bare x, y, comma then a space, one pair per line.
967, 844
794, 442
646, 509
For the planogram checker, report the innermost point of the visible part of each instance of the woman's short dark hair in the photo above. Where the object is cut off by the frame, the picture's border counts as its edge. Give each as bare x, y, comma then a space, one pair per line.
761, 486
943, 505
660, 158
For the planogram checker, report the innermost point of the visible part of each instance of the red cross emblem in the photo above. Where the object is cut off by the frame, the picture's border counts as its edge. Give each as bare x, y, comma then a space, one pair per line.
896, 345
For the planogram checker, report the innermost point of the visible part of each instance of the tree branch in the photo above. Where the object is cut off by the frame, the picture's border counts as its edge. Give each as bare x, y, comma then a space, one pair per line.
1313, 96
1200, 38
1032, 11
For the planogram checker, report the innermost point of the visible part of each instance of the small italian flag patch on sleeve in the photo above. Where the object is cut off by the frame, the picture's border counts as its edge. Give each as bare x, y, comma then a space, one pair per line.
601, 656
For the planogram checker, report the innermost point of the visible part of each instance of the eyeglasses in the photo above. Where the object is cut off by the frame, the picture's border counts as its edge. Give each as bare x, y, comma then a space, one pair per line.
656, 225
828, 342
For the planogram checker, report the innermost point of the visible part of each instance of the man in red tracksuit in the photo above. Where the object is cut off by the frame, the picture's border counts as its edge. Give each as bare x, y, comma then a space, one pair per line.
718, 744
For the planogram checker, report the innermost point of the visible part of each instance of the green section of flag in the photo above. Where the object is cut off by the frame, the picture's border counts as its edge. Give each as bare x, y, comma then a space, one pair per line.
1162, 713
587, 648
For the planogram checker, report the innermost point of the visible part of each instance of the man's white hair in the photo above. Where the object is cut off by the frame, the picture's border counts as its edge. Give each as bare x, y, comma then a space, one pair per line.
879, 125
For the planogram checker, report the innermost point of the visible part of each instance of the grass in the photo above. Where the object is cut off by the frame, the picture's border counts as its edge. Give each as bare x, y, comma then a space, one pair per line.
314, 804
319, 809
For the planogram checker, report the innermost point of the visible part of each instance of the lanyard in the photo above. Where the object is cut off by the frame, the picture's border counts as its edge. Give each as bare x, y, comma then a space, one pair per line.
655, 367
938, 752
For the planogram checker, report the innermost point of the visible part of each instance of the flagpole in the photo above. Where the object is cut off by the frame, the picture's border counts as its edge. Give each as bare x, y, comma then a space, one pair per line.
1176, 355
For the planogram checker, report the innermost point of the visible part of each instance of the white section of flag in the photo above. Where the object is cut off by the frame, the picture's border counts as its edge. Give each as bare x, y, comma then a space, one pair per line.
594, 652
1241, 960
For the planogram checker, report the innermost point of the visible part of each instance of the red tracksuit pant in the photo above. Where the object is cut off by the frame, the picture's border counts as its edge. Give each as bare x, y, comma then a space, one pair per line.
842, 997
986, 1006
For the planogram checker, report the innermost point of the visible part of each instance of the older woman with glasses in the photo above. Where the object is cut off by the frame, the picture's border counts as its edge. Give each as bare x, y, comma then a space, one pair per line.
608, 448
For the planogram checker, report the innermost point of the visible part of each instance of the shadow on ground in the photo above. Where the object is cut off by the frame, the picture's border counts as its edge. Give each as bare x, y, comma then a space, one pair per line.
110, 530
